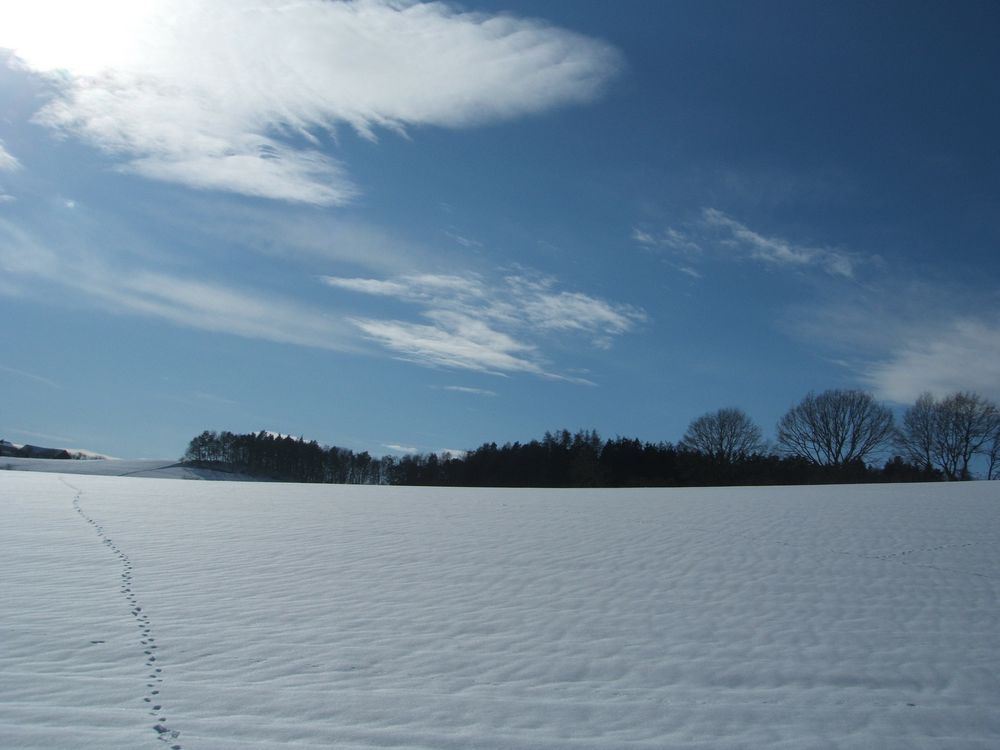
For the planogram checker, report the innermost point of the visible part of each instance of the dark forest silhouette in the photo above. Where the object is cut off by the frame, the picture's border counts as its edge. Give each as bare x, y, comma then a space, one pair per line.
559, 459
829, 437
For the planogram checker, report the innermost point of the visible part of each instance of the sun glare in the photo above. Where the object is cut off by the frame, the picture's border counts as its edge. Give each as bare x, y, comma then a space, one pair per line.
78, 38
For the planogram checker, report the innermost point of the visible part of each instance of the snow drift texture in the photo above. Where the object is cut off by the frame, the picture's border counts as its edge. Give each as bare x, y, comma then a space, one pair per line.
150, 613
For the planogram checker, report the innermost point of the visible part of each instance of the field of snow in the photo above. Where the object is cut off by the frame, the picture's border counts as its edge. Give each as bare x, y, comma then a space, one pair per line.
143, 613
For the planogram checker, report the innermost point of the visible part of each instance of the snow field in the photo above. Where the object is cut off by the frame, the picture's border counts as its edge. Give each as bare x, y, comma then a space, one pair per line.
360, 617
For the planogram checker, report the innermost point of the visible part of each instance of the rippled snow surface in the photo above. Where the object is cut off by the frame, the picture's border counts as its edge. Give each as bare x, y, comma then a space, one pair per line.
148, 613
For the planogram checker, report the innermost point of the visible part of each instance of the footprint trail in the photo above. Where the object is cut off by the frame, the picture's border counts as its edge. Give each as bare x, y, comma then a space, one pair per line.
146, 639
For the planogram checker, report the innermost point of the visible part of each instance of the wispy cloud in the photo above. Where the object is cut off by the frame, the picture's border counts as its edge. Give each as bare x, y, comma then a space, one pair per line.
214, 399
398, 448
240, 96
669, 238
30, 376
776, 250
416, 287
43, 436
214, 307
299, 235
516, 299
189, 302
715, 233
906, 334
468, 323
963, 355
8, 163
462, 321
467, 242
453, 340
548, 310
369, 286
467, 389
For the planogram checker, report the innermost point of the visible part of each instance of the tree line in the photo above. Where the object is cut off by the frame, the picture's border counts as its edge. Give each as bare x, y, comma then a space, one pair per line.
837, 428
829, 437
33, 451
285, 458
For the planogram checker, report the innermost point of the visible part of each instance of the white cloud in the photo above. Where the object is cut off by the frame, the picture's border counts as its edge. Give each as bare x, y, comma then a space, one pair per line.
962, 356
368, 286
516, 299
284, 174
468, 390
214, 307
486, 327
192, 303
670, 239
398, 448
414, 287
462, 321
717, 230
915, 331
314, 240
235, 95
8, 162
869, 320
548, 310
643, 237
775, 250
466, 242
453, 340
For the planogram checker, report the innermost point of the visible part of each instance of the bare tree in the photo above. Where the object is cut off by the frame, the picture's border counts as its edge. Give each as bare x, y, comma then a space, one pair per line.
993, 472
966, 424
726, 435
918, 433
836, 427
947, 434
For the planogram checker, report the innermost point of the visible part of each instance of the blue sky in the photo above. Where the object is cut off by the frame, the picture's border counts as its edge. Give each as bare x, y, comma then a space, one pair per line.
399, 226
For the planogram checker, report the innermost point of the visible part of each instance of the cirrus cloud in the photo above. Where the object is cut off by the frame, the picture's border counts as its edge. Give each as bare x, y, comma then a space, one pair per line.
731, 237
8, 162
470, 323
60, 270
469, 390
962, 356
232, 95
777, 250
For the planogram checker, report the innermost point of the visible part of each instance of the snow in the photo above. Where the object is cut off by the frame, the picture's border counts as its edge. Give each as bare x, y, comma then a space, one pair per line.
118, 467
88, 455
313, 616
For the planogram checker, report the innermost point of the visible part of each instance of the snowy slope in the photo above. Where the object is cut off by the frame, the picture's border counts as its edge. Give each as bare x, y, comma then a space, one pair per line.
154, 468
277, 616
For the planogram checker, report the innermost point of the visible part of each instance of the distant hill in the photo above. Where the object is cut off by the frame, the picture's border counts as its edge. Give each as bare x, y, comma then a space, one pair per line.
8, 448
116, 467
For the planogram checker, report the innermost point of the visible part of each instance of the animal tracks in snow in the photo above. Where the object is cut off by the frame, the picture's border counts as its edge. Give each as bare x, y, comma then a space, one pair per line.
147, 641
